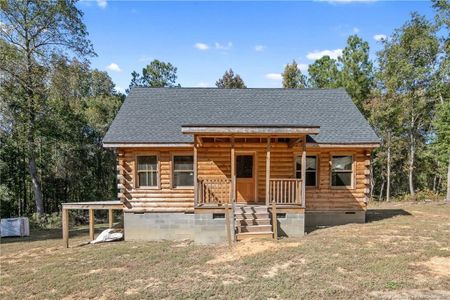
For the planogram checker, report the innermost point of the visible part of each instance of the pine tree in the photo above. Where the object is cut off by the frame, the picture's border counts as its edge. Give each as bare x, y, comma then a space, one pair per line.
293, 77
230, 80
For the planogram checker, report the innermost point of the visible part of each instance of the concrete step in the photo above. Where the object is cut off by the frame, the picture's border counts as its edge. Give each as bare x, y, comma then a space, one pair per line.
245, 222
245, 216
255, 228
252, 235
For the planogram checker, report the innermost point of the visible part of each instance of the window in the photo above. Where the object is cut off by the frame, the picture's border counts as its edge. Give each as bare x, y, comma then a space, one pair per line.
311, 169
147, 170
183, 170
244, 166
341, 170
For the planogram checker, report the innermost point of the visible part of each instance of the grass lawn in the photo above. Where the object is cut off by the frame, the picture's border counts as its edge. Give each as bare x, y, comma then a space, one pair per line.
403, 252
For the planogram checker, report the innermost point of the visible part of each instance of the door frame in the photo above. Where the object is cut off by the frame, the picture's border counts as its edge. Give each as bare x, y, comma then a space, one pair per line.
255, 172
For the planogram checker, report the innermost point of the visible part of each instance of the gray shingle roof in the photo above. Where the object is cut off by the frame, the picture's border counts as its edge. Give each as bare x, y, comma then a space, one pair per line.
155, 115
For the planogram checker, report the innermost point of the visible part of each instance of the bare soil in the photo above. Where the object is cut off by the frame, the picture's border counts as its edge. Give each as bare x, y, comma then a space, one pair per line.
403, 252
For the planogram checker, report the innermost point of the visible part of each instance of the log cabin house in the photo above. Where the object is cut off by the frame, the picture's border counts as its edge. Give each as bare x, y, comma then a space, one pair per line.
192, 159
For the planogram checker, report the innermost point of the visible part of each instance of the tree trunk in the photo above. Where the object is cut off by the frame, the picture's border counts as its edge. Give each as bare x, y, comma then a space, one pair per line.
388, 167
36, 183
381, 189
448, 179
412, 153
435, 181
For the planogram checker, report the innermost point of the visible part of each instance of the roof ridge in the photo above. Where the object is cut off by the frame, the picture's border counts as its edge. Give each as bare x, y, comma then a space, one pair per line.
251, 88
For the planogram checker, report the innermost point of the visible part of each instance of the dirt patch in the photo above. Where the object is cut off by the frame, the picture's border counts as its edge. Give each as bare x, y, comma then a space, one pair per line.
410, 294
141, 285
249, 248
273, 271
439, 266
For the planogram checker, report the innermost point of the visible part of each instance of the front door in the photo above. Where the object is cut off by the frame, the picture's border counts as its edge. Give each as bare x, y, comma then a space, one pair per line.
245, 178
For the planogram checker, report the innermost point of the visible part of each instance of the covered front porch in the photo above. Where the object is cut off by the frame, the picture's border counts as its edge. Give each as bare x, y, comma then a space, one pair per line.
249, 165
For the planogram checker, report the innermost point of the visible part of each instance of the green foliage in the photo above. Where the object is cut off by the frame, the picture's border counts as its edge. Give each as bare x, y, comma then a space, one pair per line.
356, 74
324, 73
46, 221
230, 80
293, 77
155, 74
392, 285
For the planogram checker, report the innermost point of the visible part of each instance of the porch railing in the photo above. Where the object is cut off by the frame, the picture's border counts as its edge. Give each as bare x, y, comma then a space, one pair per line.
213, 191
285, 191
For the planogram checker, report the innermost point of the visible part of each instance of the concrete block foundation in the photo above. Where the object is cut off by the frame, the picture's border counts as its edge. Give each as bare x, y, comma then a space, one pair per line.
202, 228
316, 219
291, 224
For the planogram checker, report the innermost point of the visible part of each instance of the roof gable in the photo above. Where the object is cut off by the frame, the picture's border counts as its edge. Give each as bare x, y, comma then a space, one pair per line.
156, 115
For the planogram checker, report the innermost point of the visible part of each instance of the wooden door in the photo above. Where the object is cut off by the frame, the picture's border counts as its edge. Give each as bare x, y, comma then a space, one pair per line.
245, 178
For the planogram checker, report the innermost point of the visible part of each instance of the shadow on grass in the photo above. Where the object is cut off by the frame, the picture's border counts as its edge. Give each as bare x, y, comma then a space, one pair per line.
52, 234
373, 215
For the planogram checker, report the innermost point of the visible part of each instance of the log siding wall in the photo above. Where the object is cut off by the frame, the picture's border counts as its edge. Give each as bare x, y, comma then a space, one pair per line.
214, 163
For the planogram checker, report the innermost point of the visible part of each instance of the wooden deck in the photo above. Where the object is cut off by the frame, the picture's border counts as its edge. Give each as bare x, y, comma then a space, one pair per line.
91, 206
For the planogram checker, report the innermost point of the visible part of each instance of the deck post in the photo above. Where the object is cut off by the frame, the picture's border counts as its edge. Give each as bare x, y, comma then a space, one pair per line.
228, 224
268, 171
274, 221
233, 171
110, 218
91, 224
65, 227
195, 173
303, 171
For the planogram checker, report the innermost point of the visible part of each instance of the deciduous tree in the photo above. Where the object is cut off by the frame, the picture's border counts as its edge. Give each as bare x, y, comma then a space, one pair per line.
32, 33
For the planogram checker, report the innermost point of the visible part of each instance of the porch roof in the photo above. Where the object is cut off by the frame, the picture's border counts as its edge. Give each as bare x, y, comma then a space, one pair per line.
249, 129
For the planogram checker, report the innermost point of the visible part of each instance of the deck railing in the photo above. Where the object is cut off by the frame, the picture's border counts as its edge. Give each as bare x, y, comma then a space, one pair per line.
285, 191
213, 191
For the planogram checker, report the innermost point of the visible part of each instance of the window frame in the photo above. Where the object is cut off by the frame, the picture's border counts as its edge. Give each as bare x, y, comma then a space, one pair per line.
353, 171
317, 168
158, 171
172, 171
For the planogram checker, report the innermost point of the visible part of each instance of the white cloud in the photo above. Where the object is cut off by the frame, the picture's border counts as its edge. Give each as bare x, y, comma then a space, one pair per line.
379, 37
274, 76
114, 67
102, 3
260, 48
202, 84
120, 89
302, 67
355, 29
320, 53
223, 47
201, 46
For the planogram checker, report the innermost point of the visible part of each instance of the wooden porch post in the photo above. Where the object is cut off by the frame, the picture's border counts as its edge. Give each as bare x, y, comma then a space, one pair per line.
110, 217
91, 224
303, 170
195, 173
268, 171
65, 227
233, 171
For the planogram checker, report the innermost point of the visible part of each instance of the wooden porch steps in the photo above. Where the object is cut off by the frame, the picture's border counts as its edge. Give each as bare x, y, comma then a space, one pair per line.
253, 222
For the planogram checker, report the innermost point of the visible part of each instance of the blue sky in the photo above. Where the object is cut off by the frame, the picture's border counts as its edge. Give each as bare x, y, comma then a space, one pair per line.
256, 39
